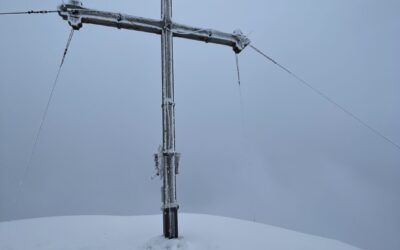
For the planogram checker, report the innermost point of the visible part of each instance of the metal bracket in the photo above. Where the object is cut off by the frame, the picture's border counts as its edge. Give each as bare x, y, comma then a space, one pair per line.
159, 161
72, 9
241, 41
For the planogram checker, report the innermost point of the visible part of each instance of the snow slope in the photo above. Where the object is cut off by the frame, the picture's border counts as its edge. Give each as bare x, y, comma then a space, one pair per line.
200, 232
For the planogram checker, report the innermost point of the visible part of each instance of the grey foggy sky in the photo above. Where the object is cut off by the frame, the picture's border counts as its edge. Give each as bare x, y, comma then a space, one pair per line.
294, 161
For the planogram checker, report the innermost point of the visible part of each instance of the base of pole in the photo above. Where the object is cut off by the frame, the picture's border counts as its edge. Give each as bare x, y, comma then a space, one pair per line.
170, 222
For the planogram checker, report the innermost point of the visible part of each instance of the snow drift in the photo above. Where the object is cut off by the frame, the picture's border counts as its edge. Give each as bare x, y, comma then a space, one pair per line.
199, 232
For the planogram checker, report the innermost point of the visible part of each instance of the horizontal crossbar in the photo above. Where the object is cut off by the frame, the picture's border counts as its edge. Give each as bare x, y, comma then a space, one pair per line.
77, 16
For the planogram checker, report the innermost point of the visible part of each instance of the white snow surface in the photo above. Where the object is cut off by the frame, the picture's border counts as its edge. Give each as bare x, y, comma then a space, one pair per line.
199, 232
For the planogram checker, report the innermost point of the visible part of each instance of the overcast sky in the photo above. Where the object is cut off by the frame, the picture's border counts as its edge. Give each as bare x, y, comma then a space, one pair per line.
284, 157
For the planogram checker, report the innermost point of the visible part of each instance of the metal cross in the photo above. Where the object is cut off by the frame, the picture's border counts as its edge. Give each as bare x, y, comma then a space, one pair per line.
167, 159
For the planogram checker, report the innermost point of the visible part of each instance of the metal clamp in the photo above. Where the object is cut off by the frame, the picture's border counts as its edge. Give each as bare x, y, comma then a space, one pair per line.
72, 11
241, 41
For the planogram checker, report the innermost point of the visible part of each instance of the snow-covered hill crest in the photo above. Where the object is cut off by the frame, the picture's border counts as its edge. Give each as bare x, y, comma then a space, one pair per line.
200, 232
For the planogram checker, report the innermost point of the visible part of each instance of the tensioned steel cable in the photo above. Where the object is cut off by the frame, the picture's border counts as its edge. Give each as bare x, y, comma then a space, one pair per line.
237, 68
29, 12
240, 94
327, 98
29, 163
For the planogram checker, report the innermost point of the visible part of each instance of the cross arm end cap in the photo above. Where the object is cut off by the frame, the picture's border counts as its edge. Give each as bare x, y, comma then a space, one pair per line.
70, 12
241, 41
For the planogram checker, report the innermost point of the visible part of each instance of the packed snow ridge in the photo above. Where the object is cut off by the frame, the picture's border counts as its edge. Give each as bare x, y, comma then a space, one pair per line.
199, 232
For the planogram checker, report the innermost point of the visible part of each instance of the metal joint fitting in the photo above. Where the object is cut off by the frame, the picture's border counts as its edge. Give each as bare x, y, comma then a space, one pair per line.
241, 41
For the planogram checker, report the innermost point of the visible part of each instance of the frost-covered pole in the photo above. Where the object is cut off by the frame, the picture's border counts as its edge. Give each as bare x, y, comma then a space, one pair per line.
169, 168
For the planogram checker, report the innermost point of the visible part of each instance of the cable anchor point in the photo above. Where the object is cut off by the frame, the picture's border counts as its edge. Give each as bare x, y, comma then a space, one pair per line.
71, 13
242, 41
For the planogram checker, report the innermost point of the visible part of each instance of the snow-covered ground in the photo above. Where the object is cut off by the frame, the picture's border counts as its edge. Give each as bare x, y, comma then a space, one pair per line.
200, 232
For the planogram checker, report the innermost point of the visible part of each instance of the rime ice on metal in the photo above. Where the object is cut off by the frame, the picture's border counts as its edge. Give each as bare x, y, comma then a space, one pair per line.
167, 159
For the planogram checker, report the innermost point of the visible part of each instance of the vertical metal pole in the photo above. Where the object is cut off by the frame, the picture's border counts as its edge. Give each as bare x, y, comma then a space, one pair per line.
169, 156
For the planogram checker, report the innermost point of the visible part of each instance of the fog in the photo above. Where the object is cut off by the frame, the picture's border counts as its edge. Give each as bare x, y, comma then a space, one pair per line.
271, 150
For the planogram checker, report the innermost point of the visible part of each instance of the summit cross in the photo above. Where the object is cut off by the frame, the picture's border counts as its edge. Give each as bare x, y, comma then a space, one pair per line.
167, 159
